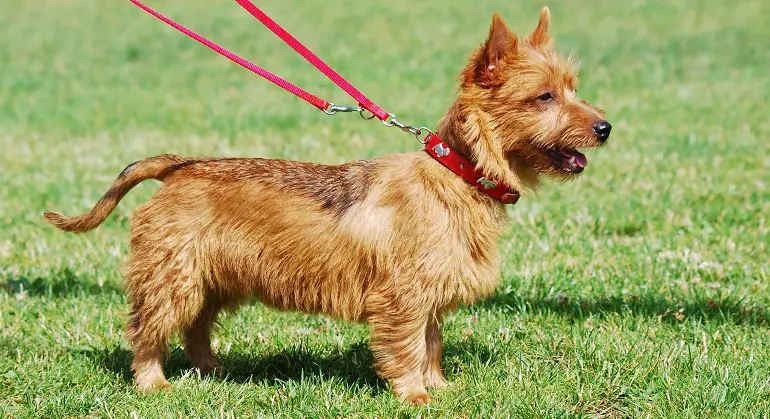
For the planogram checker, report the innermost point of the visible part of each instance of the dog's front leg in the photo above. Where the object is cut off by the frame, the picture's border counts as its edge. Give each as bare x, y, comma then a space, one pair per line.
434, 378
399, 347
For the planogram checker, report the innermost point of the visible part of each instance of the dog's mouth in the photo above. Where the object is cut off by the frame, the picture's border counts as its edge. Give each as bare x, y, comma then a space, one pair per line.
571, 161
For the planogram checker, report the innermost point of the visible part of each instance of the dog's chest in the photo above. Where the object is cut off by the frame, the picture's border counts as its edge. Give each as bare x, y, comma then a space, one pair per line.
465, 257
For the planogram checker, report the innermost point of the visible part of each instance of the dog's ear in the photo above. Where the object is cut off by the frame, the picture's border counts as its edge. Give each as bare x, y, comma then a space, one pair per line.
539, 36
487, 64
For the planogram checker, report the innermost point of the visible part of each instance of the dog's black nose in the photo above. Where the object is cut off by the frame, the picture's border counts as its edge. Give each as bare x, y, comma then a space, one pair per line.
602, 129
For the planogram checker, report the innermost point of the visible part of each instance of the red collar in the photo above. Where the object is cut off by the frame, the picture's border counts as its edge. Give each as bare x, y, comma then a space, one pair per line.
463, 167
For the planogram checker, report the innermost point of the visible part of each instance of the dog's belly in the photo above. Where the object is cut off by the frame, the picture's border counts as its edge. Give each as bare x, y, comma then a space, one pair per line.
313, 286
335, 298
292, 257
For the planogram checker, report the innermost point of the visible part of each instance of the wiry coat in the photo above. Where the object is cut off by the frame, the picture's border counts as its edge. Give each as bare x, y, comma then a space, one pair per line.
395, 241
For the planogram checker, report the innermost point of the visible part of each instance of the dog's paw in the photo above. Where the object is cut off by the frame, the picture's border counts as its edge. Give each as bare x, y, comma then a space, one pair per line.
153, 387
418, 399
410, 389
211, 369
437, 382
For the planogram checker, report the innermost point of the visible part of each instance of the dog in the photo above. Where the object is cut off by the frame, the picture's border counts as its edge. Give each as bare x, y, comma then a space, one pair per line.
396, 242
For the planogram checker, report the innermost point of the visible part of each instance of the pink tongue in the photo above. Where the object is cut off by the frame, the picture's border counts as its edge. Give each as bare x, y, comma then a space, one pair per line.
580, 158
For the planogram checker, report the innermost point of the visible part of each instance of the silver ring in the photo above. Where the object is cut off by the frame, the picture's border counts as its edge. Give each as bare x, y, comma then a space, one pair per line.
361, 114
332, 109
420, 131
391, 123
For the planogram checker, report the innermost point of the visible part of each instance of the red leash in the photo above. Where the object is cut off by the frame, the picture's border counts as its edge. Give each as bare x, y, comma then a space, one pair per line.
433, 144
362, 100
319, 103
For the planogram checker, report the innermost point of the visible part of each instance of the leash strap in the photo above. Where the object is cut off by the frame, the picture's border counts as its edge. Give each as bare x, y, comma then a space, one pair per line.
308, 55
319, 103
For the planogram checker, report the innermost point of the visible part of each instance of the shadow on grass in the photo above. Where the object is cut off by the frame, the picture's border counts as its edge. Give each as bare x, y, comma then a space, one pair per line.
724, 310
58, 284
354, 366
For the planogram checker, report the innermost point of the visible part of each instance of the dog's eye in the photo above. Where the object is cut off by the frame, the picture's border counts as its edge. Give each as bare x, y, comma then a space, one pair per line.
545, 97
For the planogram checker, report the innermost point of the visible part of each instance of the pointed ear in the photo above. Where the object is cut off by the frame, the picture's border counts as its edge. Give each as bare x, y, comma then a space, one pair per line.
540, 35
487, 64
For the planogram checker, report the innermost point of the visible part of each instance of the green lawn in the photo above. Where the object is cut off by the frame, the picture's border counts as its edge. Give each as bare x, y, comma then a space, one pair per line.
639, 290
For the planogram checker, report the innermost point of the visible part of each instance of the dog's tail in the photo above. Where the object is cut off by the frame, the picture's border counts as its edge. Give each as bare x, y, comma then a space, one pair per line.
153, 168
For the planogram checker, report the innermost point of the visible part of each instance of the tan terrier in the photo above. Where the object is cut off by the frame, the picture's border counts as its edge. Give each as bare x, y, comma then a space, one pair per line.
396, 241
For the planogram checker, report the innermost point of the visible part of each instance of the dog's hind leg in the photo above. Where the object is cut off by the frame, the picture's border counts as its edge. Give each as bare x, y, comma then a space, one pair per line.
197, 338
148, 366
149, 337
167, 296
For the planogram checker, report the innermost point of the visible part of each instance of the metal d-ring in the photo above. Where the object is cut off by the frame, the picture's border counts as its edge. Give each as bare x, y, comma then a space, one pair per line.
361, 114
390, 121
420, 131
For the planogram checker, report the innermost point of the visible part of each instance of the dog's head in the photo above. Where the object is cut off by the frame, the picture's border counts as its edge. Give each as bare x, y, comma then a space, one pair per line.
521, 117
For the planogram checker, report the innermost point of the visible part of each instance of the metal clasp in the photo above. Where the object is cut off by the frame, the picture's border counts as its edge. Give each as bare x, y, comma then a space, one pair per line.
392, 121
332, 109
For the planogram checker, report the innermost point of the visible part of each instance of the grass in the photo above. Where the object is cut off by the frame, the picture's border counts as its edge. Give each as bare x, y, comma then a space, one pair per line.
640, 290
